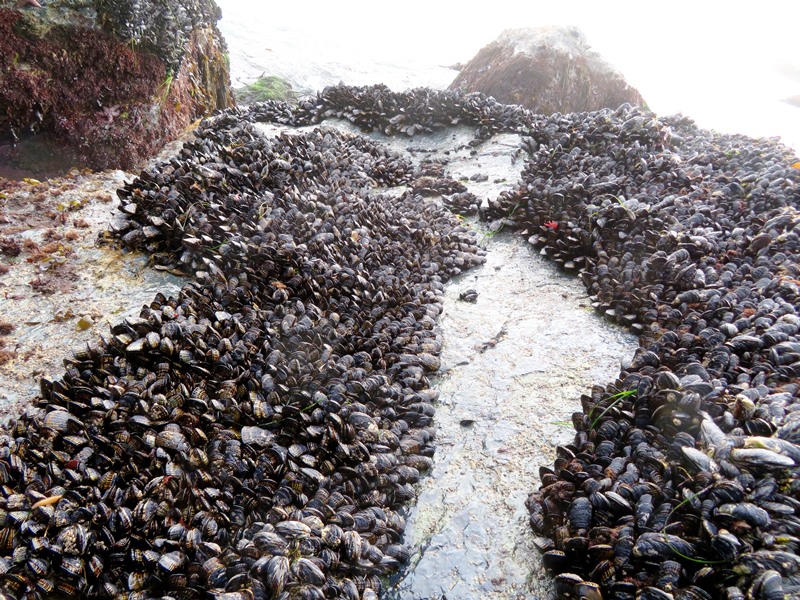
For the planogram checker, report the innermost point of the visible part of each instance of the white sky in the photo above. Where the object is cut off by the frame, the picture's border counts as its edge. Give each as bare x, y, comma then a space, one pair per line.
727, 65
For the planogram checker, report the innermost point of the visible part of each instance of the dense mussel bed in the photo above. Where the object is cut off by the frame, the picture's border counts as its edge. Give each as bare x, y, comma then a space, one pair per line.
681, 481
257, 436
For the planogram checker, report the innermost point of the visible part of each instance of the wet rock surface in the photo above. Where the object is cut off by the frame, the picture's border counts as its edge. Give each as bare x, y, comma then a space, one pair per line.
512, 365
548, 70
59, 287
689, 238
529, 345
278, 370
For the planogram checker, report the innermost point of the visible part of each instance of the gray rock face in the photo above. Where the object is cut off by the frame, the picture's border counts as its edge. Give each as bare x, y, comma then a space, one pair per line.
514, 363
549, 69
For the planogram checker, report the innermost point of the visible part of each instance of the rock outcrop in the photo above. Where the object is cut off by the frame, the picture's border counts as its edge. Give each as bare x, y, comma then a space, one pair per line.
112, 80
548, 70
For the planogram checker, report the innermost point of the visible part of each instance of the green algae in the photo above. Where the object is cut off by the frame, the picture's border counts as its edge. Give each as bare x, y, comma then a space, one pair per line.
266, 87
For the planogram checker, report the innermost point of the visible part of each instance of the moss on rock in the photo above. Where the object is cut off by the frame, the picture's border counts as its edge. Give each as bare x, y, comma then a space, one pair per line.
266, 87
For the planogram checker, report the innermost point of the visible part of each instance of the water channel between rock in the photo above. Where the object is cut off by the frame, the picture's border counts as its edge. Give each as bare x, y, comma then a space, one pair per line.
514, 366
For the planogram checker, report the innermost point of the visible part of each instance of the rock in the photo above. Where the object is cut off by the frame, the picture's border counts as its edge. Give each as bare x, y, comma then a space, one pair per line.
265, 88
469, 295
548, 70
114, 83
85, 322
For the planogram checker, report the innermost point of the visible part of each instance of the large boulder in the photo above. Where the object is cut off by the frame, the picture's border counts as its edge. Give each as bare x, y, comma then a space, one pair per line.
112, 80
548, 70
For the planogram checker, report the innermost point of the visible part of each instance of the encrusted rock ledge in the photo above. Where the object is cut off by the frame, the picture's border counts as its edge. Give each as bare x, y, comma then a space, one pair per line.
112, 80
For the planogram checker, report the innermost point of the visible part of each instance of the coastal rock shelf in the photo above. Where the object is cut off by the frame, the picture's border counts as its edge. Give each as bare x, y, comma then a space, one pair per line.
261, 434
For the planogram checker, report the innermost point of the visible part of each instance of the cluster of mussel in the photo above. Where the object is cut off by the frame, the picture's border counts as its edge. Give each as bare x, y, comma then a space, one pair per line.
162, 27
681, 481
255, 437
377, 108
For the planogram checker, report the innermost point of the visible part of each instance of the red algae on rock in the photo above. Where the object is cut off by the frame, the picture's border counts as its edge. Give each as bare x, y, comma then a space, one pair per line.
112, 101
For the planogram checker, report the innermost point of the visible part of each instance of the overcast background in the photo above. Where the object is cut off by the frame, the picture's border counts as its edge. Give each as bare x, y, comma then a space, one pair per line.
728, 67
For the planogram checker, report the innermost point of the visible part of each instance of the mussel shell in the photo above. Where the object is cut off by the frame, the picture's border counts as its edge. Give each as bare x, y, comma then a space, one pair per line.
62, 421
